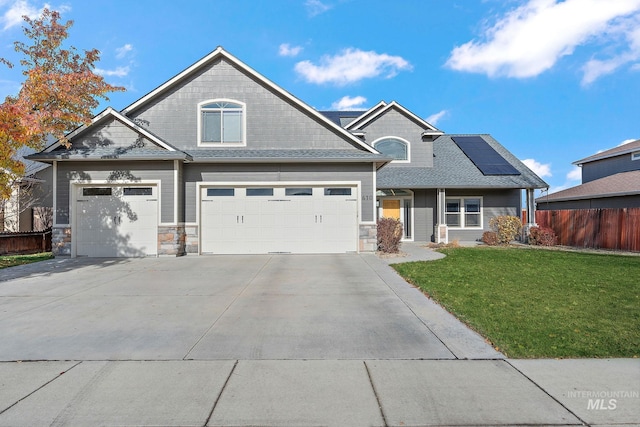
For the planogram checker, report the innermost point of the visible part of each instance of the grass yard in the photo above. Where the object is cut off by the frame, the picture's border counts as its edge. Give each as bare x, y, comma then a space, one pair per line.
539, 303
11, 260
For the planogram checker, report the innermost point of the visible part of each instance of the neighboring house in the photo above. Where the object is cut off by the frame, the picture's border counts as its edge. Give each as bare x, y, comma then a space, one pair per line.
29, 207
221, 160
610, 179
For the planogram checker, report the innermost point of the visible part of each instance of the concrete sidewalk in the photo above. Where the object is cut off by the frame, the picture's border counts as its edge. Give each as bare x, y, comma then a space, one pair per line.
320, 392
164, 355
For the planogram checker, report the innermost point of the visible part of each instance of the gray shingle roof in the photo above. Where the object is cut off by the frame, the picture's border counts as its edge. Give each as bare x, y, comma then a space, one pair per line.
615, 151
208, 155
342, 118
110, 153
240, 155
620, 184
453, 169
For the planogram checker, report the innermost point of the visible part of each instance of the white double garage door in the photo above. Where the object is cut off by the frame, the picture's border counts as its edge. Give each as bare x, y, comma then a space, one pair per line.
278, 219
122, 220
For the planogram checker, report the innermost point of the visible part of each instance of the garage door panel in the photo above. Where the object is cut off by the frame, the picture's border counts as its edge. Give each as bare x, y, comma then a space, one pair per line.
113, 224
292, 221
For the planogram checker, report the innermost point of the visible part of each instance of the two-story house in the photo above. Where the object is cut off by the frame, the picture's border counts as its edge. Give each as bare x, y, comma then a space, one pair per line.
610, 179
221, 160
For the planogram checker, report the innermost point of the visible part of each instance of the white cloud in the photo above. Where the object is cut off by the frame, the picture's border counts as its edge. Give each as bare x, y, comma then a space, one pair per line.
533, 37
117, 72
596, 68
351, 65
121, 52
435, 118
540, 169
316, 7
348, 103
626, 141
575, 174
17, 9
13, 16
287, 50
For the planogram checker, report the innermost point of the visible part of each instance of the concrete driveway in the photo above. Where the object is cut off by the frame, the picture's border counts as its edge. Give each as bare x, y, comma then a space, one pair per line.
216, 307
282, 340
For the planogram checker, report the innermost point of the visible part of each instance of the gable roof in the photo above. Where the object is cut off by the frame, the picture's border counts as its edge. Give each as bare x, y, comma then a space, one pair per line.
620, 184
342, 117
453, 169
218, 53
381, 109
365, 114
160, 150
613, 152
111, 113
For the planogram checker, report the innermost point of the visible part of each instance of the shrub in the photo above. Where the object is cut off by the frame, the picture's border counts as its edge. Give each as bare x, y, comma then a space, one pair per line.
506, 227
490, 238
389, 235
542, 236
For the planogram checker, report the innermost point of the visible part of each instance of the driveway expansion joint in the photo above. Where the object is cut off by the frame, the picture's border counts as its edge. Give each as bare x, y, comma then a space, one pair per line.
224, 386
375, 393
547, 393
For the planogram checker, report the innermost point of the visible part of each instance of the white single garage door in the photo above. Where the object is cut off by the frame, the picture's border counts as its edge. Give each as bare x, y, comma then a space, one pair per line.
263, 219
116, 221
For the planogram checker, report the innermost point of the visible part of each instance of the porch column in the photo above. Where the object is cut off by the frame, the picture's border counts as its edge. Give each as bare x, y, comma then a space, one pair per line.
531, 214
442, 232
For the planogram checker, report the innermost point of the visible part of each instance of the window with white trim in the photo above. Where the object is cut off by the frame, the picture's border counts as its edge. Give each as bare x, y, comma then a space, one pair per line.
464, 212
221, 122
395, 148
635, 155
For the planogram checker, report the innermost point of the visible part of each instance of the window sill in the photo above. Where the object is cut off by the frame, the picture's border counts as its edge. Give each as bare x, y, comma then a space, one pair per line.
222, 144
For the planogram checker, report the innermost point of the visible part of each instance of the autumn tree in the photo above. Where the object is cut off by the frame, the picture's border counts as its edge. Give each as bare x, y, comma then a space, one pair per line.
58, 94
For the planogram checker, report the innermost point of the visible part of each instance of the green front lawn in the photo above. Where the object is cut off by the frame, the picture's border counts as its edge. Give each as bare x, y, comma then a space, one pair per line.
11, 260
539, 303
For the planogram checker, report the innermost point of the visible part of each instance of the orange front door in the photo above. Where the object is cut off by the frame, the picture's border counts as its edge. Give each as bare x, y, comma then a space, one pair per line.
391, 209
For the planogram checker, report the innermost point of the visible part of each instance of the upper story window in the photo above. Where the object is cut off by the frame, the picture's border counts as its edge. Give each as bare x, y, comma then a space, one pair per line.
395, 148
221, 121
635, 155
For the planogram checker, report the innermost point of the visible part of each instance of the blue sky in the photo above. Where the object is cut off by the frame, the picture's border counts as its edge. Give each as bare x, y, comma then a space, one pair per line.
554, 81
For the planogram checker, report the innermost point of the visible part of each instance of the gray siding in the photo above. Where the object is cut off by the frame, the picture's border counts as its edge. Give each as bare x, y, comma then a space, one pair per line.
43, 192
356, 172
115, 171
425, 215
180, 191
599, 203
601, 168
495, 203
111, 134
393, 123
272, 122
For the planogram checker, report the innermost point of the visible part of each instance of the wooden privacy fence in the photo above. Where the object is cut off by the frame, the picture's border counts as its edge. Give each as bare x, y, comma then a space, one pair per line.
617, 229
25, 242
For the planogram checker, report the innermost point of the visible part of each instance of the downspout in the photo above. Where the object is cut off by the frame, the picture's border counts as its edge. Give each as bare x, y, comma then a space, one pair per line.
531, 214
442, 231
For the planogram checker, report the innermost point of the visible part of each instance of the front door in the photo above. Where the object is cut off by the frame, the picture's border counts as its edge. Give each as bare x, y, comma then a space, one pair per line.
391, 209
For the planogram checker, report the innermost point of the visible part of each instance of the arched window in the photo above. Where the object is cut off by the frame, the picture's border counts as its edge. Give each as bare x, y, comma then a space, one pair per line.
395, 148
221, 122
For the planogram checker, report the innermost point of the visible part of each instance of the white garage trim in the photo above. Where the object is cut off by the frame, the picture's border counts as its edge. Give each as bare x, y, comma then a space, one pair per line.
279, 186
176, 184
54, 188
74, 187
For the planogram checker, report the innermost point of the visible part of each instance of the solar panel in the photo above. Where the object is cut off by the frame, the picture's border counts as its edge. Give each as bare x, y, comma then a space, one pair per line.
486, 159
